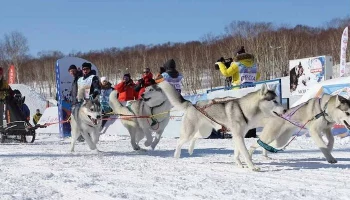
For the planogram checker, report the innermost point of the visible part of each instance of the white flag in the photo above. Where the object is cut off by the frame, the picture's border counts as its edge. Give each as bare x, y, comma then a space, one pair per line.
344, 44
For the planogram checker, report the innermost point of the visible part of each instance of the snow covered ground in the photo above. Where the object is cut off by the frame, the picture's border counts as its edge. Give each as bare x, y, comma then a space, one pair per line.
47, 170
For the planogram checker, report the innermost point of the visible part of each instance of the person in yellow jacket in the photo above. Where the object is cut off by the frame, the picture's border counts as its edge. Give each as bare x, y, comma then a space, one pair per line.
243, 69
37, 117
244, 73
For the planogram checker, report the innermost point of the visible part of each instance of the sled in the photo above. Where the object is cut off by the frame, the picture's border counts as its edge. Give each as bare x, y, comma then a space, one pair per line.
21, 131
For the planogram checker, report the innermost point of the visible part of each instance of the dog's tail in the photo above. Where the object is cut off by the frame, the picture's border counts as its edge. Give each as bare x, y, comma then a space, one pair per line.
175, 98
117, 107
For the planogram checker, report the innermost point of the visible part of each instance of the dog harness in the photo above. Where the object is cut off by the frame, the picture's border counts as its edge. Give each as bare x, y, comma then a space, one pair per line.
287, 117
202, 110
155, 121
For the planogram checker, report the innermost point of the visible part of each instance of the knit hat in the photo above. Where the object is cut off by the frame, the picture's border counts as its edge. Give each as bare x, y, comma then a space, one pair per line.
240, 50
103, 78
86, 65
72, 67
170, 64
128, 75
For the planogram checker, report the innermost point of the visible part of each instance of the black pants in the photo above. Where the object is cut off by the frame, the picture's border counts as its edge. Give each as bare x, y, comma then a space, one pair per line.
251, 133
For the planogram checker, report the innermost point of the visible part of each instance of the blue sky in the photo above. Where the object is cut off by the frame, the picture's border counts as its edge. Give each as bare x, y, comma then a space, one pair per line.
92, 25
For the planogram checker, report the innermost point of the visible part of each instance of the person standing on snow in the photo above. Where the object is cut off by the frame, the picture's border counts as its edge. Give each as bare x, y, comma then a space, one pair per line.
37, 117
244, 73
89, 83
126, 89
171, 75
243, 69
145, 81
76, 74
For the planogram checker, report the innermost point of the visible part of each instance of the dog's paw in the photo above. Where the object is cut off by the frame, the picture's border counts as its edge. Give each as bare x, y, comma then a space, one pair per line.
256, 169
95, 151
177, 155
136, 148
148, 143
239, 165
332, 160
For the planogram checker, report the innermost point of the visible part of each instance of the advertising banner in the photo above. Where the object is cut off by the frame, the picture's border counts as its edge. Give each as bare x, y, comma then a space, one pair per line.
64, 84
306, 72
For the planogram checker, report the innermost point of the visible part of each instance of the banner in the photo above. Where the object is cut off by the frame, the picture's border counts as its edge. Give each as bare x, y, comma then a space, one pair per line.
63, 85
306, 72
344, 44
12, 75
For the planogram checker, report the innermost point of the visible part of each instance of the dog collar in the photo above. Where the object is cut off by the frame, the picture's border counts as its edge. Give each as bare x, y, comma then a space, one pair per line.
323, 112
158, 105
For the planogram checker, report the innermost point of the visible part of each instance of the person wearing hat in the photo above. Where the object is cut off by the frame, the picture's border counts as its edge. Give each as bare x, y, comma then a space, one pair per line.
244, 73
106, 89
89, 84
126, 91
76, 74
37, 117
243, 69
171, 75
145, 81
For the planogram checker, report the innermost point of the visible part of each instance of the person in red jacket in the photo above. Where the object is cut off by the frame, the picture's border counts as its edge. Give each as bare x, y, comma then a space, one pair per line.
126, 91
145, 81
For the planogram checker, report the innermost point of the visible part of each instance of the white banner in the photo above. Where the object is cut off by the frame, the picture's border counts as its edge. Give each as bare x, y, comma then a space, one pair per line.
344, 44
306, 72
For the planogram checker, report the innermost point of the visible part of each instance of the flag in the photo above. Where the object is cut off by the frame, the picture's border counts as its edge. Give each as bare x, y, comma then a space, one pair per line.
12, 75
344, 44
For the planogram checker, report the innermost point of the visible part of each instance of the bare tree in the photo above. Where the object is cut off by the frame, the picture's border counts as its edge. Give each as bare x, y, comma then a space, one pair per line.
15, 47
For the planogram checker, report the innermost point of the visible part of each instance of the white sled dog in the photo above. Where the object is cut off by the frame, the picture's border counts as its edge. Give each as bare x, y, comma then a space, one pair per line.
319, 115
86, 120
238, 115
154, 104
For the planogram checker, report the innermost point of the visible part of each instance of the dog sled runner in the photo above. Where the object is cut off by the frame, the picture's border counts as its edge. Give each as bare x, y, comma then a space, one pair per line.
21, 131
17, 126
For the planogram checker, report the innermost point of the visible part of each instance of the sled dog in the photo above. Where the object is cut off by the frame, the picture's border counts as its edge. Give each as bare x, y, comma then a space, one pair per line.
238, 115
148, 115
86, 120
319, 115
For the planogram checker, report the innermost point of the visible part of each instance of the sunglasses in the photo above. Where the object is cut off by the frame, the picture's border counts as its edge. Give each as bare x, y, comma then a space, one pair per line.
84, 69
146, 72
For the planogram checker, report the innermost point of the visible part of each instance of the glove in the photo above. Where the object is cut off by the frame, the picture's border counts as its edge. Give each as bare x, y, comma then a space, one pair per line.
221, 59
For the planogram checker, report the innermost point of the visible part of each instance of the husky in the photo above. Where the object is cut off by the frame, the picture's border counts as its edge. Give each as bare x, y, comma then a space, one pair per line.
145, 116
318, 115
238, 115
86, 120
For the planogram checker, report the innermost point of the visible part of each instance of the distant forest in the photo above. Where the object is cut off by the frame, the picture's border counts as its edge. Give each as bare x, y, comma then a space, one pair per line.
272, 45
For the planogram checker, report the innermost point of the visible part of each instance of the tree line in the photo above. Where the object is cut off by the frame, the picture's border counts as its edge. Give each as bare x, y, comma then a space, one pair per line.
272, 45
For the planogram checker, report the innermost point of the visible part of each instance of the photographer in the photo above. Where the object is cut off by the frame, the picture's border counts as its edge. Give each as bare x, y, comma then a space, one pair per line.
126, 89
243, 71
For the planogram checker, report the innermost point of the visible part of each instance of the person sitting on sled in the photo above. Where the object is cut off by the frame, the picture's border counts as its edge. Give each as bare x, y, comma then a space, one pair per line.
19, 100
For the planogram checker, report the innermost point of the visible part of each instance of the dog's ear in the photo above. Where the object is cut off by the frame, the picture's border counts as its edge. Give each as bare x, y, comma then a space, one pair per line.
263, 89
339, 100
273, 87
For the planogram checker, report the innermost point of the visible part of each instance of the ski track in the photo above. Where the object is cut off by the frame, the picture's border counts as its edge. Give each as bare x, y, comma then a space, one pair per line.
47, 170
